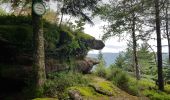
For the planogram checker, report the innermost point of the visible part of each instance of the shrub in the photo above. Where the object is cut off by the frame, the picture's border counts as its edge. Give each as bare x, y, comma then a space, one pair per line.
133, 89
167, 89
156, 95
118, 77
57, 83
121, 80
15, 20
101, 71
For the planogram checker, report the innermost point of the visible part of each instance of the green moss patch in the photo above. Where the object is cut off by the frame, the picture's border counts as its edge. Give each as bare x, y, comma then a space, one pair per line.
156, 95
84, 36
104, 87
85, 91
45, 99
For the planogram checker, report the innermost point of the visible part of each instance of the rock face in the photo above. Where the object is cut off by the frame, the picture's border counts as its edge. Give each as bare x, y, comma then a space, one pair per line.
85, 65
53, 65
95, 44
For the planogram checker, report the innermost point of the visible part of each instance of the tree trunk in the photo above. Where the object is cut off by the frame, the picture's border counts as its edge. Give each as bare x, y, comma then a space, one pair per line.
167, 30
61, 19
135, 59
159, 47
39, 56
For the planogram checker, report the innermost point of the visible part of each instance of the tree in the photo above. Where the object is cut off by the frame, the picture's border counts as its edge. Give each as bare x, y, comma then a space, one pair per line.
39, 55
146, 60
120, 61
159, 47
100, 68
2, 12
123, 16
166, 26
77, 8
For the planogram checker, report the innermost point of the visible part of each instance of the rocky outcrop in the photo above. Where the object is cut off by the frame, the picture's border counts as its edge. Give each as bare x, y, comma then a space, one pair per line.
83, 66
86, 65
53, 65
94, 44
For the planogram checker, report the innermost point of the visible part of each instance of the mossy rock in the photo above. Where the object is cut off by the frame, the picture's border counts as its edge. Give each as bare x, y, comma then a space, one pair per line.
45, 99
85, 36
105, 88
84, 91
87, 93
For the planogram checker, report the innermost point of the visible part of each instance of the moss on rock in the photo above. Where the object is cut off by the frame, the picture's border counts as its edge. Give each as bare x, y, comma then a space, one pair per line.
45, 99
84, 91
105, 88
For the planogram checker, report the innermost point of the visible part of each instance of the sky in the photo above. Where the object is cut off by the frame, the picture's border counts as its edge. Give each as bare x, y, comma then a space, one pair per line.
112, 45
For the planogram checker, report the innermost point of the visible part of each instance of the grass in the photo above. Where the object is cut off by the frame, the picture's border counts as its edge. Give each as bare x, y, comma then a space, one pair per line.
167, 88
148, 88
156, 95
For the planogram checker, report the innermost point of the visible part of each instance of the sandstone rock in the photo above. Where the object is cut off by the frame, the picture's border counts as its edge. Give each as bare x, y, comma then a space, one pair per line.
74, 95
53, 65
86, 65
94, 44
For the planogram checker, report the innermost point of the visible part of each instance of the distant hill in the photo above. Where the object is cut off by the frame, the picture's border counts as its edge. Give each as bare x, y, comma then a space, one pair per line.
108, 57
111, 57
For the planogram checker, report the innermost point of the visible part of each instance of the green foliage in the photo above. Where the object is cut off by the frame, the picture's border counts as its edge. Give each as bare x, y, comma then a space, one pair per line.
84, 90
146, 60
73, 8
100, 69
120, 61
15, 20
80, 25
156, 95
167, 88
118, 77
45, 99
19, 35
81, 35
60, 42
2, 12
104, 87
58, 83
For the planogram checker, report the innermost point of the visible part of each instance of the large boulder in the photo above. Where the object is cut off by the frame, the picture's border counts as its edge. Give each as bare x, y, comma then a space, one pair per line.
94, 44
85, 65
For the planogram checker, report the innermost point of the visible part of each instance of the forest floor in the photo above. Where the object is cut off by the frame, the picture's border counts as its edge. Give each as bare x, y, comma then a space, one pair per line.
101, 89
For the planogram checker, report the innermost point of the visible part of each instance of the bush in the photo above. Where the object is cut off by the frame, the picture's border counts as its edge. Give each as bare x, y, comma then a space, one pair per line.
101, 71
15, 20
167, 89
121, 80
118, 77
156, 95
133, 89
57, 83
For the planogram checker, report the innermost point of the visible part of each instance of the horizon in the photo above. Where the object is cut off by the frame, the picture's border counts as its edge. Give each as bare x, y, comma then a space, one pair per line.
91, 52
